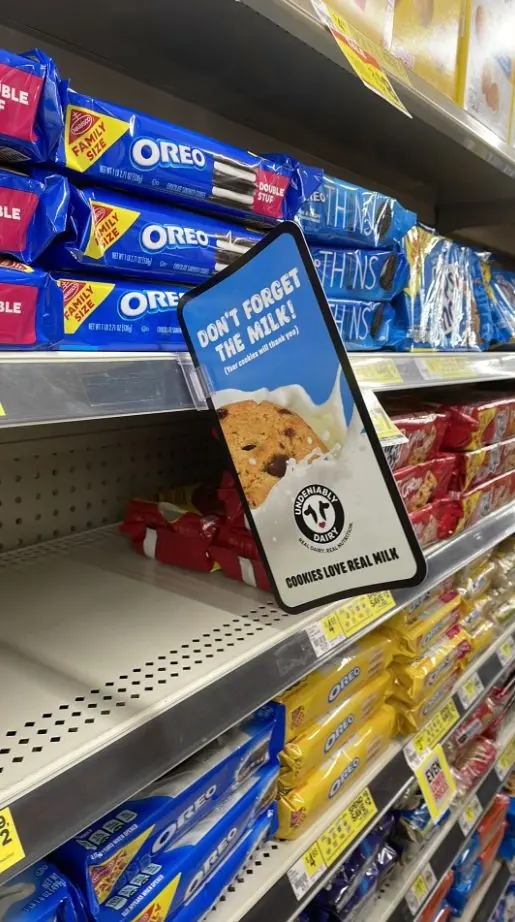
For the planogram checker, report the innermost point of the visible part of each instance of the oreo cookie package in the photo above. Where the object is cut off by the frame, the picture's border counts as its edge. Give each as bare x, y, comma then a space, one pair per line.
365, 324
128, 150
339, 213
28, 315
360, 275
31, 117
118, 314
40, 894
500, 285
118, 234
33, 210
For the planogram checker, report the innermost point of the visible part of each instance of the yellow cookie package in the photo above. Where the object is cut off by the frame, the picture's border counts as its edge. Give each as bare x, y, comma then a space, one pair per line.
305, 801
323, 737
412, 641
324, 689
416, 680
412, 719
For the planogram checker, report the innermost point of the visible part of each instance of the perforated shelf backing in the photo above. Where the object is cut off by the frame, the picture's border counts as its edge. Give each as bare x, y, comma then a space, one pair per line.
58, 485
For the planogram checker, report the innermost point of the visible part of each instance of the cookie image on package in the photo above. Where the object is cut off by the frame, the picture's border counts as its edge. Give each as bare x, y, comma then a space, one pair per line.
262, 438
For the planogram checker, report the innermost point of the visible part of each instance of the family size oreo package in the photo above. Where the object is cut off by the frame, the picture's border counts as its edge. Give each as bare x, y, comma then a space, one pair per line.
360, 275
118, 314
40, 894
366, 324
113, 233
29, 318
33, 210
129, 150
445, 304
31, 117
340, 213
500, 286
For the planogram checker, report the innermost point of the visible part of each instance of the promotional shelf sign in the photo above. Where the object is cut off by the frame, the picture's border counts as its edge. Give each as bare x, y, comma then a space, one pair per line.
317, 491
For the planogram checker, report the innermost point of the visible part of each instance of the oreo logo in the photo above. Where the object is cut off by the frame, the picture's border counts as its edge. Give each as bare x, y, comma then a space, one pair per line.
319, 514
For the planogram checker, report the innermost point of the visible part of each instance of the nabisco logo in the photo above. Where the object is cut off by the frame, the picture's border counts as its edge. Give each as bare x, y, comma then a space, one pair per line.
80, 123
70, 289
100, 212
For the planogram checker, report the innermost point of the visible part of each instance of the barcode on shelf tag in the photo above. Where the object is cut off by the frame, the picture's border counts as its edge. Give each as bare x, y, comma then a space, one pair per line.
306, 871
470, 691
431, 734
470, 815
325, 634
420, 889
506, 760
506, 651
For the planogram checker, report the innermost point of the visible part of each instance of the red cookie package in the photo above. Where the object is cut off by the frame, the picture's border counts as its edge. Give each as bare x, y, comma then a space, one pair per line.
420, 484
479, 422
474, 467
424, 430
480, 501
437, 521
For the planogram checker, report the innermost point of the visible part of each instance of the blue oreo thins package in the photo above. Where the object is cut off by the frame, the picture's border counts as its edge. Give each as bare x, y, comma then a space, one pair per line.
365, 324
110, 232
180, 871
33, 210
314, 482
118, 314
103, 857
29, 318
31, 117
360, 275
346, 215
40, 894
112, 145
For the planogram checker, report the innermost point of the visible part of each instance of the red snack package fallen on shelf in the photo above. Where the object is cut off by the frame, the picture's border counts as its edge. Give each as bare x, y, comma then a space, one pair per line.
231, 502
481, 421
473, 764
474, 467
420, 484
492, 820
437, 521
251, 572
433, 905
424, 430
480, 501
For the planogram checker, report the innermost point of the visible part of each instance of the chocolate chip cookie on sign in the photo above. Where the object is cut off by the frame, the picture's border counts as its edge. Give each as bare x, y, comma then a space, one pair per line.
262, 438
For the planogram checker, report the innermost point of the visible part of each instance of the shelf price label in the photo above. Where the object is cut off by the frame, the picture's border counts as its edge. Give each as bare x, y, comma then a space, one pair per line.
431, 734
2, 411
372, 371
11, 849
446, 367
506, 652
358, 613
346, 827
306, 871
470, 691
506, 760
325, 634
470, 815
436, 783
420, 889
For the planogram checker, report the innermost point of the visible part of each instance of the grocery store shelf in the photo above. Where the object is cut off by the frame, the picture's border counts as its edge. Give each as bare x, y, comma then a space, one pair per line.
486, 898
442, 151
173, 659
48, 387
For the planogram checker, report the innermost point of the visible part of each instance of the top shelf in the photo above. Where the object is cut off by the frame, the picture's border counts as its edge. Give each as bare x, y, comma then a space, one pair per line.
292, 82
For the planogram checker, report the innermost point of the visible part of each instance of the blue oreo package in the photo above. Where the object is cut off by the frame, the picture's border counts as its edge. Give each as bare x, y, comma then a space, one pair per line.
445, 304
40, 894
118, 314
500, 286
33, 210
126, 839
204, 898
31, 116
366, 324
109, 144
459, 894
28, 315
114, 233
180, 870
360, 275
345, 215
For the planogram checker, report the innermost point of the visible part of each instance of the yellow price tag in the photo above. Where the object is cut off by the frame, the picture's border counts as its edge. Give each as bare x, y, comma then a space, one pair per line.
357, 613
11, 849
506, 651
436, 728
506, 760
436, 783
376, 371
313, 861
2, 411
447, 367
420, 889
348, 825
362, 56
382, 424
331, 627
306, 871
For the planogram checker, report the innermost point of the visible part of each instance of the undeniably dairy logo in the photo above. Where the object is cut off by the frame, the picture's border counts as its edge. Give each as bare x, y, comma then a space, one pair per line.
135, 304
157, 237
88, 135
147, 153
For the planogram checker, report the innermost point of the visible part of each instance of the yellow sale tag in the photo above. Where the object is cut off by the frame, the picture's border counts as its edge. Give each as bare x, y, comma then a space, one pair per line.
348, 825
313, 861
11, 849
382, 424
376, 371
362, 56
436, 783
331, 626
506, 760
448, 367
2, 411
357, 613
436, 728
